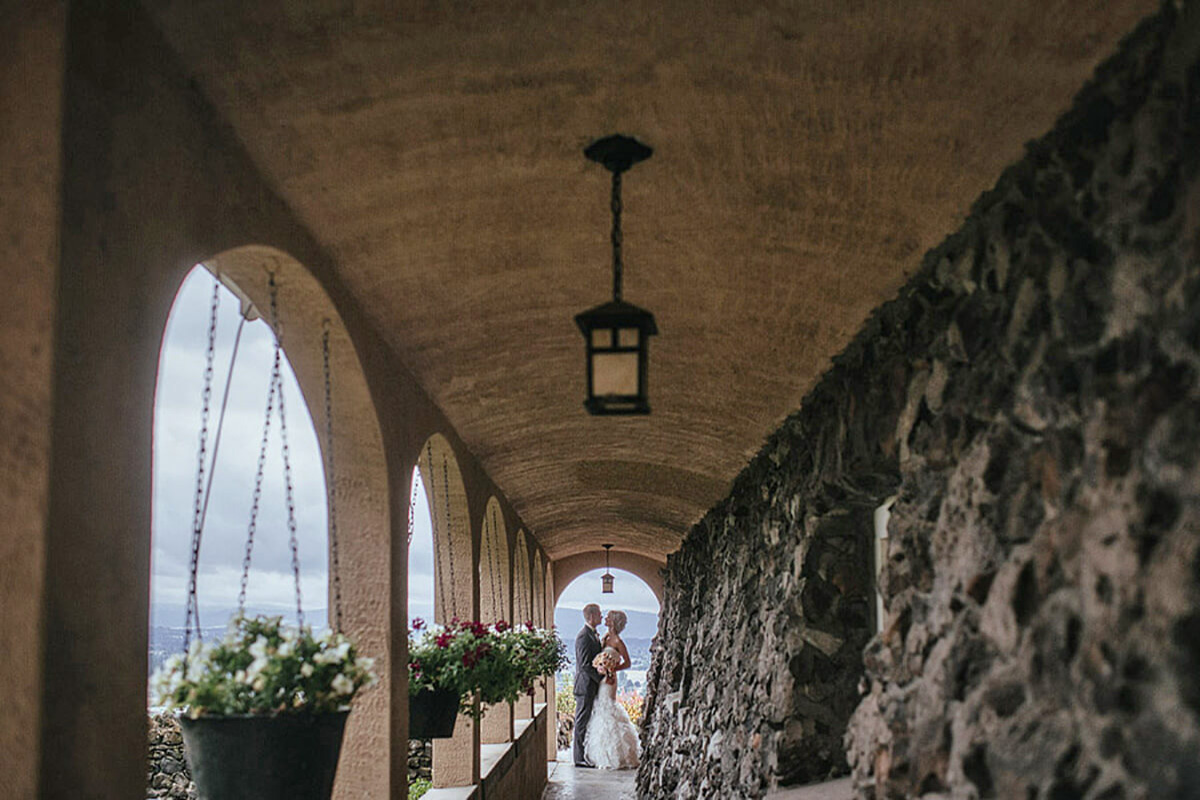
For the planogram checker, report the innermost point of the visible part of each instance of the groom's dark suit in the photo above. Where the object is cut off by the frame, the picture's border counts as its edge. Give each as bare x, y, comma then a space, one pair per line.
587, 684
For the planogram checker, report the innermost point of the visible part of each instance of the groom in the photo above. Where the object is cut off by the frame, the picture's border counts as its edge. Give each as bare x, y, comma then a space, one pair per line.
587, 678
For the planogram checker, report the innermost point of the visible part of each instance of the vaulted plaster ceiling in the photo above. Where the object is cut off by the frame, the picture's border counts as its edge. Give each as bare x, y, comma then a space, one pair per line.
807, 152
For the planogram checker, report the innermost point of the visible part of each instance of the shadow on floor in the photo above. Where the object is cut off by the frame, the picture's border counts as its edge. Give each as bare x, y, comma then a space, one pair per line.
569, 783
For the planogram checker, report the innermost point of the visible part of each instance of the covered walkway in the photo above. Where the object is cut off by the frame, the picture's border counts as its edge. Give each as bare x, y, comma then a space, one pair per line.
1021, 394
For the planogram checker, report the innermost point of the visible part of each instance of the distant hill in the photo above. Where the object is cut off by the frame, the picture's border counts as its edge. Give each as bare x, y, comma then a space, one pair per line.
641, 625
168, 615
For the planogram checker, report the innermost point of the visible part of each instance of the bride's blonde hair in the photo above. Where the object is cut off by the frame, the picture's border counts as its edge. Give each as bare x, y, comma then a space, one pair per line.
617, 621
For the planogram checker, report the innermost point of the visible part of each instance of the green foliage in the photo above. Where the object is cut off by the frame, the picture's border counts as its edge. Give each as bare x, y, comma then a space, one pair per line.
264, 667
564, 700
417, 788
482, 664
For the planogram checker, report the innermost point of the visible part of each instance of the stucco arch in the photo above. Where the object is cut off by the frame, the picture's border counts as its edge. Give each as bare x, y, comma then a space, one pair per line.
568, 569
453, 557
360, 483
538, 579
522, 591
495, 584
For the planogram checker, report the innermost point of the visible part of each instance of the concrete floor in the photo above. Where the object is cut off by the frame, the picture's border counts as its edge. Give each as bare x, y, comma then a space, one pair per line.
569, 783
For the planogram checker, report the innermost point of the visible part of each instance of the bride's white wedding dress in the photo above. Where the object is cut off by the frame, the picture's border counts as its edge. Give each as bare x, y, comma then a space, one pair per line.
612, 741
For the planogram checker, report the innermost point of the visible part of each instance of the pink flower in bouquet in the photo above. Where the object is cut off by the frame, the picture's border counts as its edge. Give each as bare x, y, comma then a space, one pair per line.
606, 662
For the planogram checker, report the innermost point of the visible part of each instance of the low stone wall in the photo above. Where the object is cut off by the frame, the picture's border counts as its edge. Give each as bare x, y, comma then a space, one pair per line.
566, 730
1033, 398
167, 772
420, 759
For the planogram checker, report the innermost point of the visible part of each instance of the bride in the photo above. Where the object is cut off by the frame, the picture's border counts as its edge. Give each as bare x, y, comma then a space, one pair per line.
612, 741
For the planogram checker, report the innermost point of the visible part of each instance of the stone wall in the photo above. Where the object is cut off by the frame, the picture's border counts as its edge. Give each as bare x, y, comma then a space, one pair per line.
1032, 397
420, 759
167, 773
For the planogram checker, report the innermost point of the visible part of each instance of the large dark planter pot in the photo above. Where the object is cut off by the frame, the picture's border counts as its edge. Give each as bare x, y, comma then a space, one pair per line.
432, 713
264, 757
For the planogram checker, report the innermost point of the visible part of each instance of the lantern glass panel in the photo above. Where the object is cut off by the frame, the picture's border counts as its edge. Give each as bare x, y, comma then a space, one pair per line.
602, 337
628, 337
615, 374
606, 584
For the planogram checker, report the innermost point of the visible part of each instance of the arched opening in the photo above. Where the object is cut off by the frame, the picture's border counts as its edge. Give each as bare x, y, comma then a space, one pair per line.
229, 474
420, 605
455, 587
420, 552
522, 606
634, 596
495, 603
312, 336
495, 585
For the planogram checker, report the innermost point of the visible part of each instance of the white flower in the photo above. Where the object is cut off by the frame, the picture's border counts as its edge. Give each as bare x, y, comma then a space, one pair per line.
256, 666
342, 685
306, 669
364, 663
259, 683
333, 656
240, 676
259, 648
286, 649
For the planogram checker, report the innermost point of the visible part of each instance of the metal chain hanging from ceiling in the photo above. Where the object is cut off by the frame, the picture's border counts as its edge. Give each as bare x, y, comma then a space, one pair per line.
501, 554
274, 393
193, 609
334, 570
256, 495
412, 504
449, 535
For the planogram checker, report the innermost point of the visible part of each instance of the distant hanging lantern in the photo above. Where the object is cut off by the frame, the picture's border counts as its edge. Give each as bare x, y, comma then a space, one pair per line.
617, 334
606, 580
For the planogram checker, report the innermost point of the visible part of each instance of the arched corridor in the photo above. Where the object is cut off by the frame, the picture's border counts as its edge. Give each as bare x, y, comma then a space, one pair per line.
935, 258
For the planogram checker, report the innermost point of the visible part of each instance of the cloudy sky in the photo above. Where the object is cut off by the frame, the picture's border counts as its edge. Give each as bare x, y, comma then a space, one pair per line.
176, 436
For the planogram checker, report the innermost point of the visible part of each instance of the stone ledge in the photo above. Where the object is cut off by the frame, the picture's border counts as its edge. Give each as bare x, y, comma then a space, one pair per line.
453, 793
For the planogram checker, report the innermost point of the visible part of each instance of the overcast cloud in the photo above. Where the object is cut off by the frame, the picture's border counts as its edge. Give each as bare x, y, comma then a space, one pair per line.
176, 436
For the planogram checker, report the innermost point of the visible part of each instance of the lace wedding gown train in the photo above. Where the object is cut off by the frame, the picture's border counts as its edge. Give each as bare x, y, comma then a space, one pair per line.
612, 741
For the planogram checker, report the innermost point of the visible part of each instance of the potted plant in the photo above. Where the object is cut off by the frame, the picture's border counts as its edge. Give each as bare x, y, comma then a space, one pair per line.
464, 666
263, 710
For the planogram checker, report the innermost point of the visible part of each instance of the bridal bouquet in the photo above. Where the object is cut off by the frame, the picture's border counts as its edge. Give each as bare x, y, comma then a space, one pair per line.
607, 663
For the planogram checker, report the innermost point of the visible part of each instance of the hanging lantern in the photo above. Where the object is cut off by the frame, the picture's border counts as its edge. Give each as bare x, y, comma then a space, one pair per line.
606, 580
617, 334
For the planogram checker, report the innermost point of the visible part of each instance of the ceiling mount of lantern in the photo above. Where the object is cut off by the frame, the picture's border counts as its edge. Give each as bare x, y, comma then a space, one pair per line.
606, 580
617, 333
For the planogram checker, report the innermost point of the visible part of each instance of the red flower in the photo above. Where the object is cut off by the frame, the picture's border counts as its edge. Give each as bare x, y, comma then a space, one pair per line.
444, 639
418, 624
478, 628
468, 660
528, 625
502, 626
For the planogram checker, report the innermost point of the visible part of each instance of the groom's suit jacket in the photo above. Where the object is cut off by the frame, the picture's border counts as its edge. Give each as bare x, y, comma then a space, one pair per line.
587, 647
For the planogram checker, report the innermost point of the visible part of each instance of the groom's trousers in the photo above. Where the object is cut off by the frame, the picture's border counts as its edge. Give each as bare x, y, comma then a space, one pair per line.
583, 714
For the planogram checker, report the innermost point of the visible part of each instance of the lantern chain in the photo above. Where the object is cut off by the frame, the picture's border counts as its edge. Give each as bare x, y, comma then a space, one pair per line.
193, 606
618, 266
334, 566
